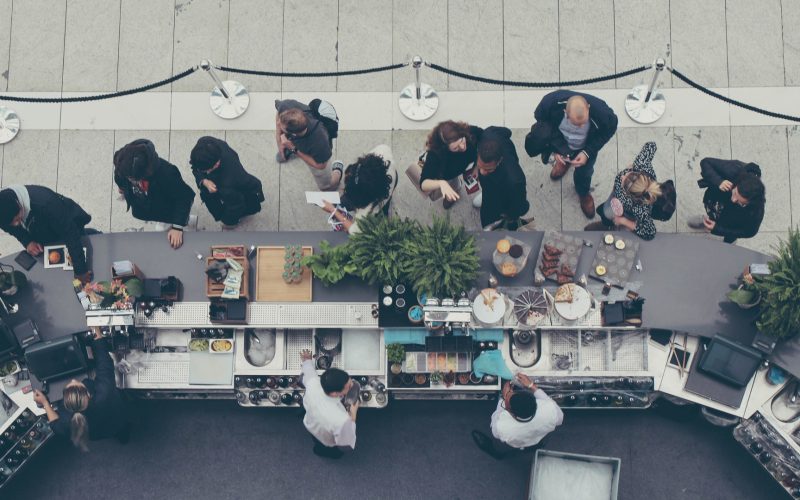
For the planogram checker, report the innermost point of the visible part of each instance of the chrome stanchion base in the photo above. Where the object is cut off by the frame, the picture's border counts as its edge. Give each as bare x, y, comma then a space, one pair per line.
240, 100
9, 124
418, 110
642, 112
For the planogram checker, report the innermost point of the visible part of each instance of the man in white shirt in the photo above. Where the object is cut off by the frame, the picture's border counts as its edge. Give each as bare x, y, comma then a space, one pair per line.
331, 426
524, 416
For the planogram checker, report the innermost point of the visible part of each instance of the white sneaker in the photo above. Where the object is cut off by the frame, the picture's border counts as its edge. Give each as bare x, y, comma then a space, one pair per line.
477, 200
162, 226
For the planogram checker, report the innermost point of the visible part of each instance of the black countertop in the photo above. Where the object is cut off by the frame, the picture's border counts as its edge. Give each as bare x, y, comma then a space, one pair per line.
685, 278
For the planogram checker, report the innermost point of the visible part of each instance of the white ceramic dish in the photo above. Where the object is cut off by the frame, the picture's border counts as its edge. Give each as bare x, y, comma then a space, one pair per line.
580, 305
489, 315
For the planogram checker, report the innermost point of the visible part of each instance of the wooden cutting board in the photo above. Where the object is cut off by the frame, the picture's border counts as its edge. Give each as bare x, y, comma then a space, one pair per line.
270, 286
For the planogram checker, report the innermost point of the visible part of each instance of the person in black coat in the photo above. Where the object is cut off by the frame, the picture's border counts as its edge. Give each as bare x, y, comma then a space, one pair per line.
572, 127
37, 216
91, 409
734, 199
228, 191
153, 188
451, 149
501, 179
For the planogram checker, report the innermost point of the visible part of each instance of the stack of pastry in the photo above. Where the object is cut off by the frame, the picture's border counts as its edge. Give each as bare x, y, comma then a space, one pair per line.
551, 258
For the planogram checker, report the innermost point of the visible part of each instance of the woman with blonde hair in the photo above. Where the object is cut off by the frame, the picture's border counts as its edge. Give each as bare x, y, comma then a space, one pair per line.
92, 409
631, 202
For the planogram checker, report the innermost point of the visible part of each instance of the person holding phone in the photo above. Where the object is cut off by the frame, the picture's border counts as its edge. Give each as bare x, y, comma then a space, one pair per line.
570, 130
524, 416
92, 409
734, 199
451, 152
332, 427
38, 216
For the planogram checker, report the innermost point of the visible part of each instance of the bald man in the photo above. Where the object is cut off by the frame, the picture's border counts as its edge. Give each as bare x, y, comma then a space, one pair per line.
570, 130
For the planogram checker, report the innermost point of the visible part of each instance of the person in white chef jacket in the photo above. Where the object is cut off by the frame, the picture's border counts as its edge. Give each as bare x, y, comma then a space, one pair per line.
331, 425
524, 416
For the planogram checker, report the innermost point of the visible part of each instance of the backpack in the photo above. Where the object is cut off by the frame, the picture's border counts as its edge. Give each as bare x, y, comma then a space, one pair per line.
325, 113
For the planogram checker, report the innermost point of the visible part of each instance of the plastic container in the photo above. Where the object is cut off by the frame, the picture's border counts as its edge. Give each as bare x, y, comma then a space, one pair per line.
556, 475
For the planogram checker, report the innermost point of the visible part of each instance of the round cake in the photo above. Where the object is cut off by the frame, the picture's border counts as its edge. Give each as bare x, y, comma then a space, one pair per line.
503, 246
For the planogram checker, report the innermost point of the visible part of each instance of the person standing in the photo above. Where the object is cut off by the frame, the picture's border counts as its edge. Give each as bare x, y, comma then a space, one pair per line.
570, 130
299, 133
451, 150
734, 199
332, 427
524, 416
228, 191
91, 409
634, 194
37, 216
502, 181
153, 188
368, 187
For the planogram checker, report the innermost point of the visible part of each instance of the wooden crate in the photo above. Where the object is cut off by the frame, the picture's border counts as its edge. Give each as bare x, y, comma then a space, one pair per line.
270, 286
214, 289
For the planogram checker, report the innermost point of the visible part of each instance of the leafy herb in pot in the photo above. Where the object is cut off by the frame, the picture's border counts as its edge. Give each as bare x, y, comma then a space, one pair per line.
331, 264
377, 251
395, 353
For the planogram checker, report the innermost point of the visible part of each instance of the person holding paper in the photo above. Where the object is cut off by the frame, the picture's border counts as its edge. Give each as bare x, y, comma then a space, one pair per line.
368, 187
37, 216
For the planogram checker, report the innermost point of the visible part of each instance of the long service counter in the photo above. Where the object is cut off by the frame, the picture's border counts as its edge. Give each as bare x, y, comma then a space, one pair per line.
683, 280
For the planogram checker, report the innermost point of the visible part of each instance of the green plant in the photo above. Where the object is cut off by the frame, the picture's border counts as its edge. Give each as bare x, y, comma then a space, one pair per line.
780, 291
743, 296
441, 259
331, 264
377, 250
436, 377
395, 353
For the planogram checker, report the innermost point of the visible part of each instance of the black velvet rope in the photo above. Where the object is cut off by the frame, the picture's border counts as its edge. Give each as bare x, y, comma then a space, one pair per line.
721, 97
313, 75
99, 97
570, 83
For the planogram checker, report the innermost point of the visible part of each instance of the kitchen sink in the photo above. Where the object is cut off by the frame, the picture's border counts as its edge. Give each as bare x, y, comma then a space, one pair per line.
786, 405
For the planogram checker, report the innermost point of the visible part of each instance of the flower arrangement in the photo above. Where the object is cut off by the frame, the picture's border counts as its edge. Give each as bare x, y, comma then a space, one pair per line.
114, 294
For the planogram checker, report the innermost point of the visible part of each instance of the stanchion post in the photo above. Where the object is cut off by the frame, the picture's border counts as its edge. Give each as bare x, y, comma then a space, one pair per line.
645, 103
9, 124
229, 99
418, 101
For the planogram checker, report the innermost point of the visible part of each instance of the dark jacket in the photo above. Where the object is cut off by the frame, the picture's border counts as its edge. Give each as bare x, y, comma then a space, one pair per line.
54, 218
447, 165
504, 190
602, 120
732, 220
169, 199
106, 413
238, 193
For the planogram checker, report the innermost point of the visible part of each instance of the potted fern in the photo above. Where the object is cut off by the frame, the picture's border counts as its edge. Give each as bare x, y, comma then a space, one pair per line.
779, 315
396, 354
441, 259
376, 251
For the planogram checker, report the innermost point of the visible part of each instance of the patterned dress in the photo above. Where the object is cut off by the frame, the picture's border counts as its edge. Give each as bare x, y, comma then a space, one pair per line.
636, 209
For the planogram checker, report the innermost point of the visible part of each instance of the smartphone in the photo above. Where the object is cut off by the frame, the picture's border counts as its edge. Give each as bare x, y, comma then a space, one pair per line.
25, 260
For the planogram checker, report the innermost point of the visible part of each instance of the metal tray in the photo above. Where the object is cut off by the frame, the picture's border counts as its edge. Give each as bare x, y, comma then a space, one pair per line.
571, 248
618, 263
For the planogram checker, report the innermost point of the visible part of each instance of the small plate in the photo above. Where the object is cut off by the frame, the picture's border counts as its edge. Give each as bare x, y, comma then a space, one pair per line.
580, 305
484, 313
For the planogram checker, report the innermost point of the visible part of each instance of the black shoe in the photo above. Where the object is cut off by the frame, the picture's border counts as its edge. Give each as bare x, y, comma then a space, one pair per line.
325, 452
484, 442
546, 157
90, 230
